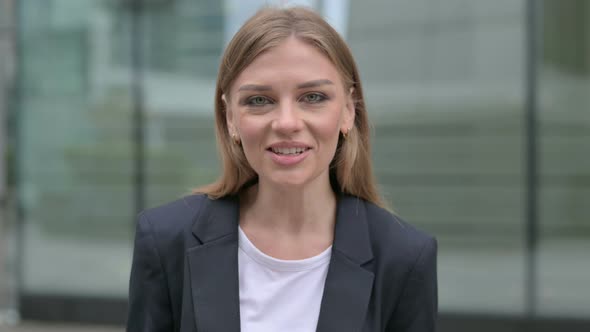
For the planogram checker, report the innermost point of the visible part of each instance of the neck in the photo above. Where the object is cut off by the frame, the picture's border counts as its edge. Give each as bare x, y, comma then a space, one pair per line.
290, 210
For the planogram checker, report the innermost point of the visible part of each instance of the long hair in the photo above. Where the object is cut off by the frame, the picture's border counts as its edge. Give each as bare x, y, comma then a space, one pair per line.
351, 170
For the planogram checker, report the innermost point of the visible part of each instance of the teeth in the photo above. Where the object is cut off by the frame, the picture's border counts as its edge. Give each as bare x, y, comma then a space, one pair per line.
288, 150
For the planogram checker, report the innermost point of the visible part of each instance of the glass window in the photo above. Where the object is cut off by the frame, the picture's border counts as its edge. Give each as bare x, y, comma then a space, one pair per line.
445, 87
564, 160
75, 151
444, 82
8, 253
182, 46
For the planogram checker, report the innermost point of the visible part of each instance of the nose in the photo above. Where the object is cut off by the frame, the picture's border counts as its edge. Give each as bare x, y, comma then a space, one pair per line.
288, 120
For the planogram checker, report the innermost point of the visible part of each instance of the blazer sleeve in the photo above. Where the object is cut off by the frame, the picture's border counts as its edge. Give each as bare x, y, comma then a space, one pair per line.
149, 300
417, 309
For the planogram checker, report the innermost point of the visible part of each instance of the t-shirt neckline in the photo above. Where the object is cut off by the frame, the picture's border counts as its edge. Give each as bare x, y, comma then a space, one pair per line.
281, 264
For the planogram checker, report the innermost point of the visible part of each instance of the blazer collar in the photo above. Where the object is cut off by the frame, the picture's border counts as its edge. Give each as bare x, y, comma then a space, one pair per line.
349, 285
219, 218
351, 233
213, 268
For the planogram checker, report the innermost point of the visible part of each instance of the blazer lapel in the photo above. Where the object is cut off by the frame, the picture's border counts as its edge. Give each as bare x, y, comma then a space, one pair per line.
213, 267
348, 285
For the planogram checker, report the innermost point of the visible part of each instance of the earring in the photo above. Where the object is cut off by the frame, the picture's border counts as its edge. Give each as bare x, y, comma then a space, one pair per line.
345, 134
235, 138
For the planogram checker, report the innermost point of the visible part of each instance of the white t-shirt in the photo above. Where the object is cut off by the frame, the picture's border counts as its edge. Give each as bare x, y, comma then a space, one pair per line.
279, 295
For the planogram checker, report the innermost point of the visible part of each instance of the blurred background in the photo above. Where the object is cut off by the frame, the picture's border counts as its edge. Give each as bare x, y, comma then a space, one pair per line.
481, 115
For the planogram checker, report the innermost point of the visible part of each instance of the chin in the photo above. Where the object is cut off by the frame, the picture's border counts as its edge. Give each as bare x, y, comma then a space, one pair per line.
290, 182
294, 180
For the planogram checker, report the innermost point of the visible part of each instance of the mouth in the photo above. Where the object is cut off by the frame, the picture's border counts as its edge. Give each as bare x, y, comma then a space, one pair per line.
288, 151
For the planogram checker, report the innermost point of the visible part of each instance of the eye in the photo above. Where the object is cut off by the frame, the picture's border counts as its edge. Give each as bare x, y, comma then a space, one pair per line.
314, 98
257, 101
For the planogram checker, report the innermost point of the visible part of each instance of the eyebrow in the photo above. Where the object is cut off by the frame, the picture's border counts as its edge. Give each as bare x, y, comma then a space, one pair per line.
313, 84
310, 84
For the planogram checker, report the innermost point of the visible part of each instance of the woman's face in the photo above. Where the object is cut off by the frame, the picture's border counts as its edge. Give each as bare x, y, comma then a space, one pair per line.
287, 108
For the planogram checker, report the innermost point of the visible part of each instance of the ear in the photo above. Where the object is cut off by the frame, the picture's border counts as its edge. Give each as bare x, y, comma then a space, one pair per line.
349, 112
228, 115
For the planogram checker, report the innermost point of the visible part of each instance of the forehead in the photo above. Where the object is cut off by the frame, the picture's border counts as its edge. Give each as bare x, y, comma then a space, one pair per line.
291, 62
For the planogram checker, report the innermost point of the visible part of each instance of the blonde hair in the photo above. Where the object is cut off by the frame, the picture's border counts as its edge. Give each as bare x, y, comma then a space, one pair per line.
350, 170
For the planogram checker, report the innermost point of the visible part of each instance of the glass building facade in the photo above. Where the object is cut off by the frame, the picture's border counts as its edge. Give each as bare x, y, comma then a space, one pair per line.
481, 117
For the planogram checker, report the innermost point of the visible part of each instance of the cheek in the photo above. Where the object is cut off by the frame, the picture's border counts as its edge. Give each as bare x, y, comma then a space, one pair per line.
250, 130
251, 135
328, 127
328, 133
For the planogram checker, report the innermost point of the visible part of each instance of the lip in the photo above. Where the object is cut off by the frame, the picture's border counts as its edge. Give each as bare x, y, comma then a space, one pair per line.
288, 160
288, 144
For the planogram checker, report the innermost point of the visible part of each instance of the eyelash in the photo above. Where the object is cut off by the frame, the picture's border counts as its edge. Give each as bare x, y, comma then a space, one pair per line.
322, 97
249, 101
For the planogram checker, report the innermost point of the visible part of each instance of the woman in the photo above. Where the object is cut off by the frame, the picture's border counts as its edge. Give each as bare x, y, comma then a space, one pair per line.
293, 236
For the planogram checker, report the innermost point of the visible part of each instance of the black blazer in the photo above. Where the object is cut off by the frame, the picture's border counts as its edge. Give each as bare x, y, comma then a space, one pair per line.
184, 277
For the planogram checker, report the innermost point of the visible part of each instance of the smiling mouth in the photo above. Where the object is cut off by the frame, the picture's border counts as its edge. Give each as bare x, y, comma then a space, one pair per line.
288, 151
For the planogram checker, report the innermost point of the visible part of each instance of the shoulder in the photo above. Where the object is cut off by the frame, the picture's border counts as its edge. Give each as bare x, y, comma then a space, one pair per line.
396, 241
173, 218
405, 267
